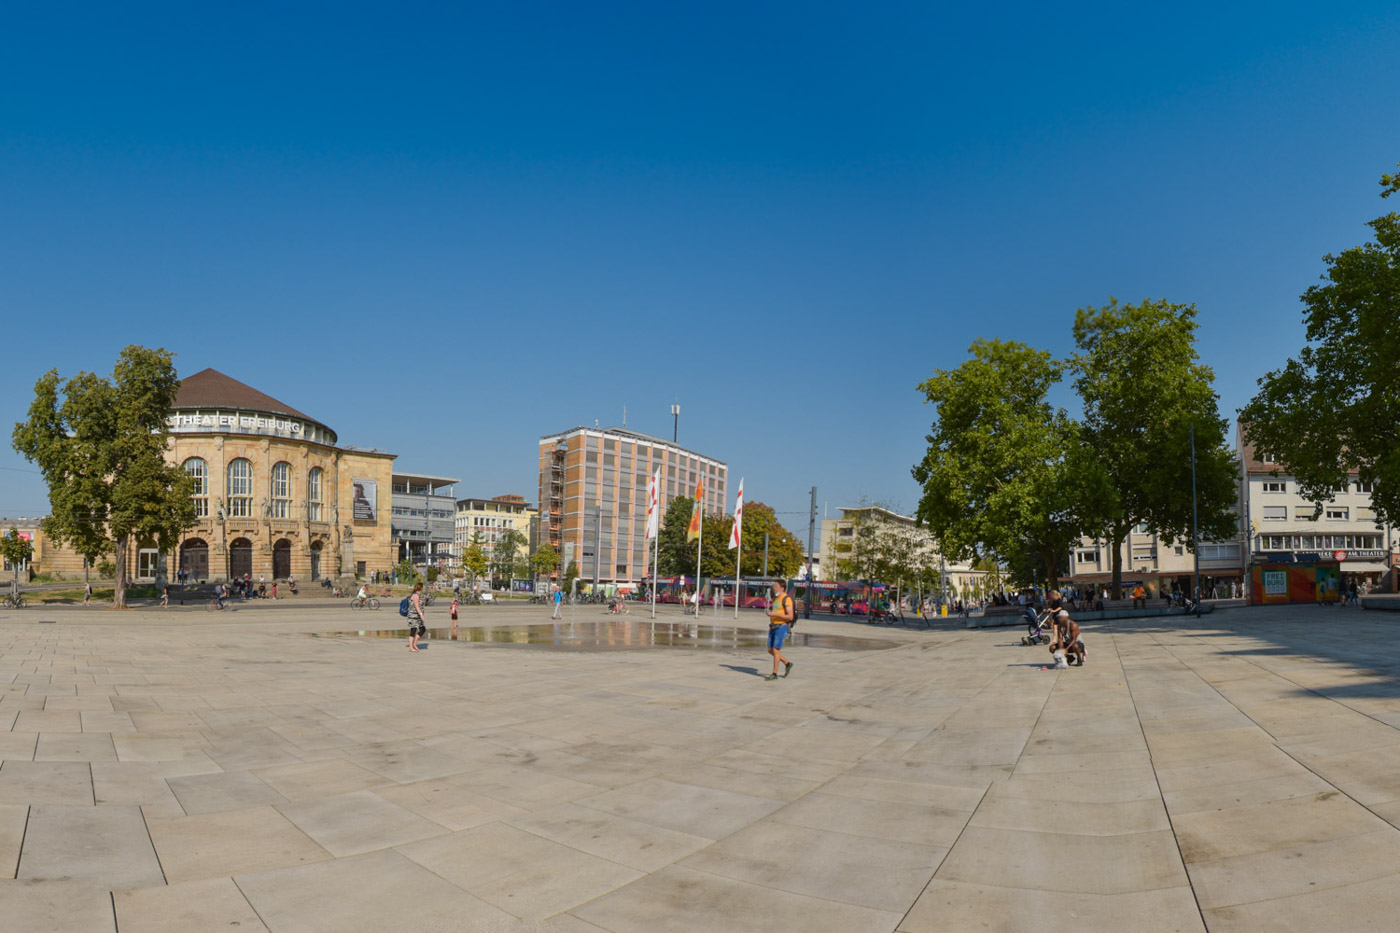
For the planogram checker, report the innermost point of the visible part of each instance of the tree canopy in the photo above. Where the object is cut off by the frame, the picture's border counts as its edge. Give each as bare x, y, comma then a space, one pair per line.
101, 450
1144, 391
16, 550
1335, 407
999, 475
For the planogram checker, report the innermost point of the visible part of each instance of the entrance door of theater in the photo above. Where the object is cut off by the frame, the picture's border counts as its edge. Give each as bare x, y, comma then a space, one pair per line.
282, 560
315, 562
194, 559
240, 558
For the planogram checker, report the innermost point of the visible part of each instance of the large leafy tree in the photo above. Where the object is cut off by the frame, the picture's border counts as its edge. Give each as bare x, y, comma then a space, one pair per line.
1145, 391
506, 551
1335, 407
1002, 475
676, 555
785, 552
101, 449
545, 560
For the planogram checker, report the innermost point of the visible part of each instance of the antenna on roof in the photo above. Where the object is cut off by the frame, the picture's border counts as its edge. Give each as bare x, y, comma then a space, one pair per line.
624, 416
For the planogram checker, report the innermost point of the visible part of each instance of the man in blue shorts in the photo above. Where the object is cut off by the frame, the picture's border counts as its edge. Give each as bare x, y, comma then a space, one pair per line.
781, 615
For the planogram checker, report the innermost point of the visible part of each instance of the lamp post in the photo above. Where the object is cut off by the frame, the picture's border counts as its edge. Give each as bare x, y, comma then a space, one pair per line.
675, 423
1195, 542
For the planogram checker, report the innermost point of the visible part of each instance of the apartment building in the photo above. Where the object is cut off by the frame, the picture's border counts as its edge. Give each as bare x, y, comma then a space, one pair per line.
1283, 527
487, 521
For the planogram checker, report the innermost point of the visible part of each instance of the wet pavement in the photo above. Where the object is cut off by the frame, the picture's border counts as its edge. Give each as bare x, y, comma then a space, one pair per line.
622, 635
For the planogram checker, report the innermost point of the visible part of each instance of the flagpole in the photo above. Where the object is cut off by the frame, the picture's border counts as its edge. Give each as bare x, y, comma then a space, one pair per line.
738, 579
655, 577
699, 548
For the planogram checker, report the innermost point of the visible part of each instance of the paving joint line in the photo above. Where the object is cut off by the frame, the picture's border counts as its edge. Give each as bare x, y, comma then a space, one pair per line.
1176, 839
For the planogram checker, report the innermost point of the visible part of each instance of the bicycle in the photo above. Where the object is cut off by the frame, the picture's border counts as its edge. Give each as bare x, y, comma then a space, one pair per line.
369, 602
214, 605
14, 601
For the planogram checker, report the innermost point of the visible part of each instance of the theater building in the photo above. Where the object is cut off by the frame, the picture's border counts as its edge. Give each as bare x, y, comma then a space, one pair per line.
276, 494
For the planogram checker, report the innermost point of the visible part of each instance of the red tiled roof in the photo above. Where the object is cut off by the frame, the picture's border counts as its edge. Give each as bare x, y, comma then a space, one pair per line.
210, 388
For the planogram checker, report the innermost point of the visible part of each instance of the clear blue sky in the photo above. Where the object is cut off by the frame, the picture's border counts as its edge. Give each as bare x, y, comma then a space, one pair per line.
445, 230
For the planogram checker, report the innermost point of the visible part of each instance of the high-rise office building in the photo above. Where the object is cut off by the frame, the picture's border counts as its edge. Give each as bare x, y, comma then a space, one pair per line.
593, 495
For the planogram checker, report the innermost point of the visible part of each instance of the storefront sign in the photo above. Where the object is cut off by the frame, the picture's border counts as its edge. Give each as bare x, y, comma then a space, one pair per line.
1276, 582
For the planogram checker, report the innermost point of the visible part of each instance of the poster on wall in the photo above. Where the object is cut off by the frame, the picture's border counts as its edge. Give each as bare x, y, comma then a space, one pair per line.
365, 503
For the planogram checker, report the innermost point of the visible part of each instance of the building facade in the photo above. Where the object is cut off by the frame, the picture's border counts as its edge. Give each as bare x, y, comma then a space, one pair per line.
276, 494
486, 522
1148, 558
1283, 527
858, 537
593, 496
423, 507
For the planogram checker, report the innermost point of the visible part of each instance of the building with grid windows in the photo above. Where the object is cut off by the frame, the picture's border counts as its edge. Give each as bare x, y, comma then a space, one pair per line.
486, 522
593, 495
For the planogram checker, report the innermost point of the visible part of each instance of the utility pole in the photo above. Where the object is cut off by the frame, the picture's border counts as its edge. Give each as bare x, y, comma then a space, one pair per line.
765, 554
1195, 539
811, 552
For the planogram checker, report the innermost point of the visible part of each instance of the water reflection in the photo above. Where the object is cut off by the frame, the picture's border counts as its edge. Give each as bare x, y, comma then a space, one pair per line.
623, 634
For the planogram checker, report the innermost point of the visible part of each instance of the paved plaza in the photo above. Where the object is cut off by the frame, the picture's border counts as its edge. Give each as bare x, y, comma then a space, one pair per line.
187, 771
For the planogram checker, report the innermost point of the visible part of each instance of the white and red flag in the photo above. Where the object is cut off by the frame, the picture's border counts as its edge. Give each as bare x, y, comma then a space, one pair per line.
653, 505
735, 534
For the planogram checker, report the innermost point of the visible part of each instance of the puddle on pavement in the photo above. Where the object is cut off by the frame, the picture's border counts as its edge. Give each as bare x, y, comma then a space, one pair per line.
622, 635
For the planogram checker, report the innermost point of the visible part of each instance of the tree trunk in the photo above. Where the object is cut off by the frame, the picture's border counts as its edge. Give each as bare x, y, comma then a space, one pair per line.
119, 594
1120, 533
1052, 568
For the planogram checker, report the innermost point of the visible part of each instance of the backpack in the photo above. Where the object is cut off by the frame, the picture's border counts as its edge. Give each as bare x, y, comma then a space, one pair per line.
403, 607
792, 606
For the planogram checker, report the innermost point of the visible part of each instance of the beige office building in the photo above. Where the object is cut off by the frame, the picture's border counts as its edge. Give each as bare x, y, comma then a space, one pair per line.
593, 495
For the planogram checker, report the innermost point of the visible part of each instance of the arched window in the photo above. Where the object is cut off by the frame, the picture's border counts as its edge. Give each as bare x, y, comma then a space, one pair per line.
281, 490
313, 495
199, 472
240, 489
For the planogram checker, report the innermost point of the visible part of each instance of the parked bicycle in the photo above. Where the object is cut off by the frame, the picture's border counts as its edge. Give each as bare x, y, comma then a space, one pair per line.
369, 602
14, 601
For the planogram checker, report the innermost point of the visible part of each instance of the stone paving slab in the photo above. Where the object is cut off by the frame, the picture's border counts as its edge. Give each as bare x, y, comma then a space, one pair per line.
179, 770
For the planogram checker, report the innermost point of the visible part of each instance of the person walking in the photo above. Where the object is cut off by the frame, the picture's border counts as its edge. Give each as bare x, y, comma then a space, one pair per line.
87, 594
417, 625
165, 596
558, 602
454, 618
780, 619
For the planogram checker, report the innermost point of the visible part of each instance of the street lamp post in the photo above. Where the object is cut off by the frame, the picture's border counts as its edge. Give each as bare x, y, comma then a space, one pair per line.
675, 423
1195, 540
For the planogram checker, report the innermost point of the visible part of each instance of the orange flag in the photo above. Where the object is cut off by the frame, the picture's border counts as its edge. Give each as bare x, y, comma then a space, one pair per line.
693, 532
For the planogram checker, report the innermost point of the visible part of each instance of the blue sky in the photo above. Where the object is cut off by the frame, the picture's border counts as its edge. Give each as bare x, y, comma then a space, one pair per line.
445, 230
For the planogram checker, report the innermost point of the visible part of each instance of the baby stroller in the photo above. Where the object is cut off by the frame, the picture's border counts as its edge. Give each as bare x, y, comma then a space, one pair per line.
1037, 628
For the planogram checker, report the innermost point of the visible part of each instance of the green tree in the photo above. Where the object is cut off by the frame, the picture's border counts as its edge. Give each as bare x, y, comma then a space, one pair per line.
16, 550
570, 575
785, 552
676, 555
1144, 390
504, 554
101, 451
545, 560
999, 477
474, 559
1335, 406
405, 572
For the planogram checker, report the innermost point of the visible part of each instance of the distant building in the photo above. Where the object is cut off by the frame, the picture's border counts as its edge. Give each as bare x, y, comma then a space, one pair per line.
1160, 567
585, 470
848, 539
488, 520
1283, 527
423, 514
